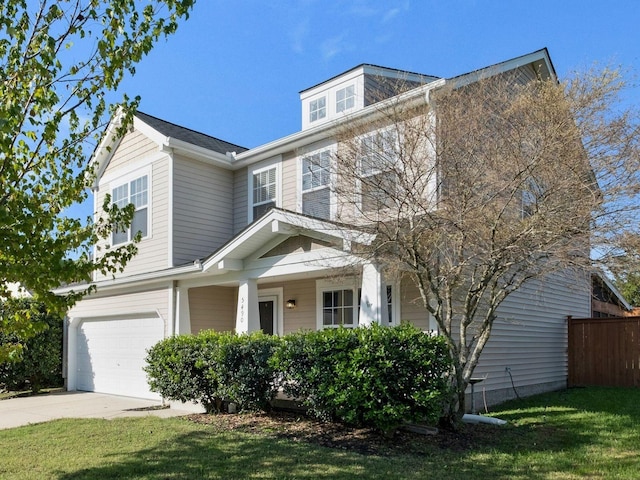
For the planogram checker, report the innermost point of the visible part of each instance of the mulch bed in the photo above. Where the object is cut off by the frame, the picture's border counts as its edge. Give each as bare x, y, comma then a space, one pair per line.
299, 428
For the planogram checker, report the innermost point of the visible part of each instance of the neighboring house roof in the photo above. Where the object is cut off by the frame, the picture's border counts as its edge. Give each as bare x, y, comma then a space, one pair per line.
612, 292
17, 290
193, 137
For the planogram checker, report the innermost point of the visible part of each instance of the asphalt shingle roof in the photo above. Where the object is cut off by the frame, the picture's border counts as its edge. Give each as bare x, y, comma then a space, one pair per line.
187, 135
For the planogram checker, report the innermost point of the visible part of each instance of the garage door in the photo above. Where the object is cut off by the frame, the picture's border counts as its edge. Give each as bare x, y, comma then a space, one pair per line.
111, 353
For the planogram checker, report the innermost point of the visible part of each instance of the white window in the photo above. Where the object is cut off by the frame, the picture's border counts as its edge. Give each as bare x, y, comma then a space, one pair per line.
316, 176
339, 304
338, 308
265, 189
345, 98
136, 192
378, 178
390, 314
317, 109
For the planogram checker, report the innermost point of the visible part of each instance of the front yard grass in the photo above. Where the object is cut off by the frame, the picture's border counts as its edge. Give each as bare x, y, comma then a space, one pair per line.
579, 433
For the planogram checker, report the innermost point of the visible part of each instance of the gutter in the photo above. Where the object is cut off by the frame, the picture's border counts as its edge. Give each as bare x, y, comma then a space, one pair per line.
304, 137
141, 279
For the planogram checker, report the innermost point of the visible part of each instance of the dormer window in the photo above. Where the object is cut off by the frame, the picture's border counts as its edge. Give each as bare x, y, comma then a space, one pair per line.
345, 98
317, 109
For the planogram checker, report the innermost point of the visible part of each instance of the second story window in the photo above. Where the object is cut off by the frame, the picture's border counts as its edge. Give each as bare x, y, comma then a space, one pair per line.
317, 109
316, 194
345, 98
136, 192
378, 181
264, 191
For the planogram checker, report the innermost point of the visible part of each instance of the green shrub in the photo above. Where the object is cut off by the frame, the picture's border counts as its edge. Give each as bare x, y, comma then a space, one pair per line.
213, 368
241, 369
176, 369
377, 376
40, 363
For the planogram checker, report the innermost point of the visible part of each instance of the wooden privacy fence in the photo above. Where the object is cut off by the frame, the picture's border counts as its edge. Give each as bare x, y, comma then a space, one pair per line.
604, 351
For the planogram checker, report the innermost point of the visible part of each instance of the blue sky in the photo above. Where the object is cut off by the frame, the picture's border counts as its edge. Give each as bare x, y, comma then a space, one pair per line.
235, 68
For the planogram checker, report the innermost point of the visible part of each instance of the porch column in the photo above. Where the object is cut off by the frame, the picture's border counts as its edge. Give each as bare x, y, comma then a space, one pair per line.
373, 300
72, 354
183, 316
247, 315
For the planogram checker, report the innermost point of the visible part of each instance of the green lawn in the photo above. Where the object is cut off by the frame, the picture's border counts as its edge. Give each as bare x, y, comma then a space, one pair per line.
581, 433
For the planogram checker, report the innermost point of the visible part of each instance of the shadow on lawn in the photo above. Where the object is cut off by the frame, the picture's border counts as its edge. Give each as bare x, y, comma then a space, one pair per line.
201, 455
550, 436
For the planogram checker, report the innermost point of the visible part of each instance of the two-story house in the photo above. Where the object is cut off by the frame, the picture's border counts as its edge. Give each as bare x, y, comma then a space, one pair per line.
237, 239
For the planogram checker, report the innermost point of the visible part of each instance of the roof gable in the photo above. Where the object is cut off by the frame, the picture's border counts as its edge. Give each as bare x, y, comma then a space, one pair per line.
277, 226
198, 139
166, 135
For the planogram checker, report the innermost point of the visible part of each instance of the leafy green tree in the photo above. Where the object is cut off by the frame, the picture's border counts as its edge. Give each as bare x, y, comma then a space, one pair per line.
60, 63
629, 285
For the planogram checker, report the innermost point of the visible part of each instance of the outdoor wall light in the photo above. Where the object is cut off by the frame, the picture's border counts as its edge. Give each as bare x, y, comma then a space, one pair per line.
291, 304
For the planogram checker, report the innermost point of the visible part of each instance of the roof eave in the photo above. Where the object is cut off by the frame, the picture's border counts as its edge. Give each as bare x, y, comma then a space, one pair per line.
310, 135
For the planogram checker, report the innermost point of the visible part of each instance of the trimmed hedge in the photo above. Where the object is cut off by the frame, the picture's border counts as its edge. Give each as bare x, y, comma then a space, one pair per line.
40, 363
213, 368
378, 376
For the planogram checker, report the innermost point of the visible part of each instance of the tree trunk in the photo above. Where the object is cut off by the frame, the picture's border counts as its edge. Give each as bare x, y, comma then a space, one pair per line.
455, 408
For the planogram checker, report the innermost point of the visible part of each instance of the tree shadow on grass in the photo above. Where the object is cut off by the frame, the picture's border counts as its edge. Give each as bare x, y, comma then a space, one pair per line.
564, 435
201, 455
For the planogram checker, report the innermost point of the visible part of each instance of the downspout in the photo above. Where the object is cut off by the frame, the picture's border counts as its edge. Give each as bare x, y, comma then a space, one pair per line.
173, 309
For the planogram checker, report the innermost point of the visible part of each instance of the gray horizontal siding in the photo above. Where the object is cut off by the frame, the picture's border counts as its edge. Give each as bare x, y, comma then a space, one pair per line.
152, 251
122, 305
240, 213
530, 334
133, 146
203, 210
213, 308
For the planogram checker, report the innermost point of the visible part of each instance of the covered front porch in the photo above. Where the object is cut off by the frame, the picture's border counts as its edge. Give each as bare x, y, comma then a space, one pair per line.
284, 273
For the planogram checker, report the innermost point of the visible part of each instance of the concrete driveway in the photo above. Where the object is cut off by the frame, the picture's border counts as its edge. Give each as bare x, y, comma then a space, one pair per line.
16, 412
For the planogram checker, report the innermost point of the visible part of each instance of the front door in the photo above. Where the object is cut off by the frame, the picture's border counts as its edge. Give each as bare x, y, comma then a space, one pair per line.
267, 311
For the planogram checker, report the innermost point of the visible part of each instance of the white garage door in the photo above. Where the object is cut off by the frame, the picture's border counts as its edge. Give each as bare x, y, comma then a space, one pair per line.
111, 353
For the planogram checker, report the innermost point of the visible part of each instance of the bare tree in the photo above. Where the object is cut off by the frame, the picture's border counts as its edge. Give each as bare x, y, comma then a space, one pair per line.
482, 187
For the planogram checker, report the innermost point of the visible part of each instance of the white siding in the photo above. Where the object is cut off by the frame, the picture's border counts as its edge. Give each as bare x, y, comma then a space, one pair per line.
203, 209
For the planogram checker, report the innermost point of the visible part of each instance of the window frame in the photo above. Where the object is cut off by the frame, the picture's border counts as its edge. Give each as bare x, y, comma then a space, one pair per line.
391, 164
347, 98
320, 112
273, 163
128, 180
354, 285
329, 151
